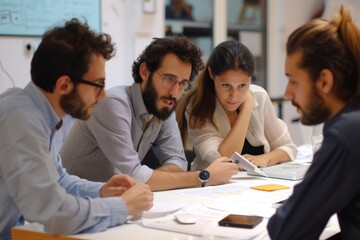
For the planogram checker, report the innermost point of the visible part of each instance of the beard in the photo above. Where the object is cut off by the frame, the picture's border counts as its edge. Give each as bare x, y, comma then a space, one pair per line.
73, 105
151, 97
315, 111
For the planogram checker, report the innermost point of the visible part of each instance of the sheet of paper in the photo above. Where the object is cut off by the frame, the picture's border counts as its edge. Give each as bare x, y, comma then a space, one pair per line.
207, 224
161, 209
247, 165
239, 198
213, 192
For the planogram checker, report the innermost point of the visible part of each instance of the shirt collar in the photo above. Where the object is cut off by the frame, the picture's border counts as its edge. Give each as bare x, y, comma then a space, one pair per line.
53, 121
138, 103
352, 105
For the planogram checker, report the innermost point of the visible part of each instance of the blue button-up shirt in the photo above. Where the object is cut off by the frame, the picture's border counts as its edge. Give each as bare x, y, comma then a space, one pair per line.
33, 184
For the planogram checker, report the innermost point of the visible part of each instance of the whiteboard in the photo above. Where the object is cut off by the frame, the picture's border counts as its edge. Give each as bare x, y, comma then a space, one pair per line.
34, 17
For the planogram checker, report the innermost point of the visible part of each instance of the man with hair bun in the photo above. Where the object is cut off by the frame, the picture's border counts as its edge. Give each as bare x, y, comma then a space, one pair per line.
322, 66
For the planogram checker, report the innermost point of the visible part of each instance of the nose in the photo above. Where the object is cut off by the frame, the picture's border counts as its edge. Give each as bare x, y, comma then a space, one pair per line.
175, 90
233, 93
288, 94
102, 94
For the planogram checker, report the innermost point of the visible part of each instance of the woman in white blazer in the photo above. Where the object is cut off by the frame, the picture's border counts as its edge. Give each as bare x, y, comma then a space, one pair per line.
225, 113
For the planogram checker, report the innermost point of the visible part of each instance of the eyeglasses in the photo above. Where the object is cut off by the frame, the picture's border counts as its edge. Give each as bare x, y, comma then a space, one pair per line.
98, 85
169, 81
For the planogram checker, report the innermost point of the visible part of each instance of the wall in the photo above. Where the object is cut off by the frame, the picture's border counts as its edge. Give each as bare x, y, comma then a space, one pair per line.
130, 36
132, 30
284, 16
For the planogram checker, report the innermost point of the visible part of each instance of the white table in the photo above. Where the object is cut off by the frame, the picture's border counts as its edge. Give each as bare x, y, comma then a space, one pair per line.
236, 195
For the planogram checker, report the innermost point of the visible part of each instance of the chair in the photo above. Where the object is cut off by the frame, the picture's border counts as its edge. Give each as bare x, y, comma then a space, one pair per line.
190, 155
249, 10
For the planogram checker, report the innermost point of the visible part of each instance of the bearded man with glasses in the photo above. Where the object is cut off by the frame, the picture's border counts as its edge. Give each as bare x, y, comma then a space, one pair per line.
34, 186
134, 130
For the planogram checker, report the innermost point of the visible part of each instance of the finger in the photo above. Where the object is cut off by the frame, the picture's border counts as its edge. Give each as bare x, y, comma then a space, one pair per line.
127, 180
225, 159
115, 191
131, 180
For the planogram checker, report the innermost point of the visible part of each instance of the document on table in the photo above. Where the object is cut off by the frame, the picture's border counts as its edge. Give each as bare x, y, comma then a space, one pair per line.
160, 209
237, 192
207, 224
239, 198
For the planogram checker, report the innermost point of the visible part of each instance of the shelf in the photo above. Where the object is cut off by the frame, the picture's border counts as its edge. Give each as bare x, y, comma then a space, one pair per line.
204, 29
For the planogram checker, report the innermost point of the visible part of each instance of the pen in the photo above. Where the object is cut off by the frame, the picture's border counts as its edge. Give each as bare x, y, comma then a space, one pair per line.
235, 161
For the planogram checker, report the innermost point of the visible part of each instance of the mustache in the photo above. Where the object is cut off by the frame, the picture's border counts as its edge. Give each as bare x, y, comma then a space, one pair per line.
295, 104
169, 98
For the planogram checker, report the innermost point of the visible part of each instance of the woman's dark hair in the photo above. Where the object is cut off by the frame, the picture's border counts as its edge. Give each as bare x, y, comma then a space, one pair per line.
66, 50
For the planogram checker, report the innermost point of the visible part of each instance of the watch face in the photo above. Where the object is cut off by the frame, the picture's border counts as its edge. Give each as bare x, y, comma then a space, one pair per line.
204, 175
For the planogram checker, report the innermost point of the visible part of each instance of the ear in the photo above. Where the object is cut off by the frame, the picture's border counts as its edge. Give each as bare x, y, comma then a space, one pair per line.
144, 72
325, 82
63, 85
210, 73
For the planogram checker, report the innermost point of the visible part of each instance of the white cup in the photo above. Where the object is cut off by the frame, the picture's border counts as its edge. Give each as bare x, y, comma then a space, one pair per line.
316, 142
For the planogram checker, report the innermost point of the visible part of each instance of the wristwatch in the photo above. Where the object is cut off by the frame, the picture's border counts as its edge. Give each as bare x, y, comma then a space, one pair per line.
204, 176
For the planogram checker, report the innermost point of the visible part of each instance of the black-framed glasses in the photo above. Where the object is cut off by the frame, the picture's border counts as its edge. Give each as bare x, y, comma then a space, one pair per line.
98, 85
169, 80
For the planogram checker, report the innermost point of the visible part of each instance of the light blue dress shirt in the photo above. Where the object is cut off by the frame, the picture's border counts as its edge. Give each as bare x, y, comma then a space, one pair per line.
33, 183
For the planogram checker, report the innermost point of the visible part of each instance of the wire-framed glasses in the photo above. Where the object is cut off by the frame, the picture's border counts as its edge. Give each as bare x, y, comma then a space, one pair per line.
169, 80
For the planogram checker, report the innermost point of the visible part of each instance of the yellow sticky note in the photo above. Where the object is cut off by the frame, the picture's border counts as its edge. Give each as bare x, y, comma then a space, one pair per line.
270, 187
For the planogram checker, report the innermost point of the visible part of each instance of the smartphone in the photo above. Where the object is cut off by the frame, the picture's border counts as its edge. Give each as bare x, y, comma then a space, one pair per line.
241, 221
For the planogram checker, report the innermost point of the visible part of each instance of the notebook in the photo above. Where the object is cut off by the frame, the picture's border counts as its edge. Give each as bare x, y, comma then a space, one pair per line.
289, 170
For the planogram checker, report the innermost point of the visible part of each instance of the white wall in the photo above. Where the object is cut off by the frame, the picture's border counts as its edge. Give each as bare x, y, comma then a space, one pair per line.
132, 30
124, 20
284, 16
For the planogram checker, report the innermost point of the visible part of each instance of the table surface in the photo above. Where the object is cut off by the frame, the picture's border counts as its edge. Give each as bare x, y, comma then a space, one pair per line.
236, 195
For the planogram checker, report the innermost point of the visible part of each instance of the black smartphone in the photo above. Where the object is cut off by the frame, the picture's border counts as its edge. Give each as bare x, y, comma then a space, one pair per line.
241, 221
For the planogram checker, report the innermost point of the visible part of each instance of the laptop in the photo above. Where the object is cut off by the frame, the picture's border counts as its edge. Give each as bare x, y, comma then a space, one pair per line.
288, 170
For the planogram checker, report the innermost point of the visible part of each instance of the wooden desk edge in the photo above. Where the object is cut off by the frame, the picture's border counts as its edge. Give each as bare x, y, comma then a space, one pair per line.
24, 234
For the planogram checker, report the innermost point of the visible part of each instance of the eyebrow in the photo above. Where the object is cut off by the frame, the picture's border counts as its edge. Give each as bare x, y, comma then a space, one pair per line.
231, 84
100, 79
170, 74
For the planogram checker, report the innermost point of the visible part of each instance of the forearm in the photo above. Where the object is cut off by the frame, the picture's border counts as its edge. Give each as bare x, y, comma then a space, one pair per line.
235, 139
164, 180
277, 156
169, 168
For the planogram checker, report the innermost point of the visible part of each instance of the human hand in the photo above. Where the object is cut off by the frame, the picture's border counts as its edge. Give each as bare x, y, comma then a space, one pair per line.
249, 101
116, 185
138, 198
221, 171
259, 160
